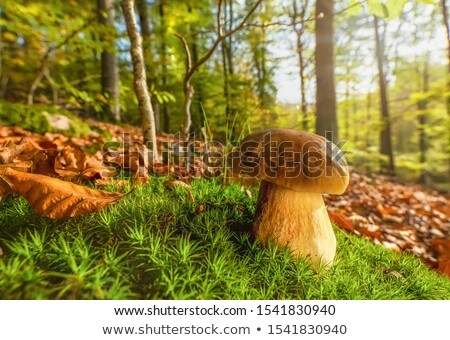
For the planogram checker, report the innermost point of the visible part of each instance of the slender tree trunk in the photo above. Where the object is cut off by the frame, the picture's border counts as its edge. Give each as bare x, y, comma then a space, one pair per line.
148, 56
226, 91
188, 97
140, 78
368, 117
198, 121
196, 116
326, 121
386, 138
447, 29
301, 67
110, 70
225, 68
422, 118
165, 109
355, 122
347, 107
299, 31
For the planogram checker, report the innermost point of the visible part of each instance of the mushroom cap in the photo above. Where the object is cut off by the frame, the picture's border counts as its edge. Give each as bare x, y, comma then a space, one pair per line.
296, 160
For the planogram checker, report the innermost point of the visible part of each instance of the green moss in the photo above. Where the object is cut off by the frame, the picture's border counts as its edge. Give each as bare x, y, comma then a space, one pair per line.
157, 244
34, 118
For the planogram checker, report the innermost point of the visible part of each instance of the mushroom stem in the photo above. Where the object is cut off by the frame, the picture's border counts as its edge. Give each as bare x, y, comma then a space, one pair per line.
298, 220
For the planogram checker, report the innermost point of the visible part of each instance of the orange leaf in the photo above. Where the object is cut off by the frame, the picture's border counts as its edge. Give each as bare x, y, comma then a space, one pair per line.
341, 222
11, 151
59, 199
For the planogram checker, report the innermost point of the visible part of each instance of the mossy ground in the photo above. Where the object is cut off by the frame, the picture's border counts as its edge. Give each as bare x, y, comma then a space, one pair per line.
32, 118
157, 244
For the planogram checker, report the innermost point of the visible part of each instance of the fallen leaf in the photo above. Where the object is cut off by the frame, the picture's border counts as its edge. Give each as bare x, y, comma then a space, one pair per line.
44, 161
10, 151
141, 177
25, 166
98, 172
71, 160
59, 199
176, 183
444, 266
341, 222
6, 188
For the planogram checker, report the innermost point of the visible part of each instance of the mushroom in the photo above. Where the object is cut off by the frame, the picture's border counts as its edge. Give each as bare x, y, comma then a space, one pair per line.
295, 168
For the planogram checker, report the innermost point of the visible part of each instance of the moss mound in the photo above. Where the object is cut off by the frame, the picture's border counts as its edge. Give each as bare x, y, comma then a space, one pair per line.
36, 118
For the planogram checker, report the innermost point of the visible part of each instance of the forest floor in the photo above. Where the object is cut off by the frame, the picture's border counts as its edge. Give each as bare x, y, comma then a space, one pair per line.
189, 243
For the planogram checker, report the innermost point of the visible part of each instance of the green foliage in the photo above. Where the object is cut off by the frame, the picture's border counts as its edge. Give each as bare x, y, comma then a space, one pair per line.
389, 9
156, 244
35, 118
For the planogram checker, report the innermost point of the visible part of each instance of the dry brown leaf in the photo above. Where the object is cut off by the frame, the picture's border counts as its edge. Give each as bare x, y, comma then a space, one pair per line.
25, 166
71, 159
8, 131
59, 199
44, 161
10, 151
5, 188
341, 222
98, 172
176, 183
141, 177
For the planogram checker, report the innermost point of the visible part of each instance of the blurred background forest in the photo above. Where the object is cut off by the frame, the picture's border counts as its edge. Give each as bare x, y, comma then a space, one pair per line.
386, 94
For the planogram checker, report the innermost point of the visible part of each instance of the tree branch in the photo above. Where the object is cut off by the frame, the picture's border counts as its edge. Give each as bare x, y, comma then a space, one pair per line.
187, 50
219, 20
219, 38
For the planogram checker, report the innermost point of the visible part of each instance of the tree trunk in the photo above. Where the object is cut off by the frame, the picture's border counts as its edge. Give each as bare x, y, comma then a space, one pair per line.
299, 31
326, 122
422, 118
447, 29
165, 109
386, 139
140, 78
188, 96
347, 108
110, 70
226, 91
303, 103
368, 117
148, 56
225, 68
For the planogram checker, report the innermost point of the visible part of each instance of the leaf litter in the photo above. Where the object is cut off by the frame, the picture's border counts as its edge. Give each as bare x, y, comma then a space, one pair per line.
400, 217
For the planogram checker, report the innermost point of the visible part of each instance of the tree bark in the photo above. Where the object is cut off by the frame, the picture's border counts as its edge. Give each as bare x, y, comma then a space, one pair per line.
148, 56
326, 122
140, 78
110, 70
368, 117
386, 138
422, 118
447, 29
299, 31
165, 109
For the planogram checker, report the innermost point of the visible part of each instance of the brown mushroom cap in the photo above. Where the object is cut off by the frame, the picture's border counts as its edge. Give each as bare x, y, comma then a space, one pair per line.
296, 160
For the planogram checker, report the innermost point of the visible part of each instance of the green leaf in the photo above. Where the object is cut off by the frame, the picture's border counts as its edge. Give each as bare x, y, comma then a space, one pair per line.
377, 8
395, 7
428, 2
354, 7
